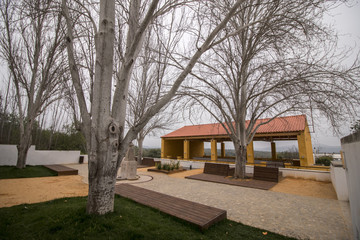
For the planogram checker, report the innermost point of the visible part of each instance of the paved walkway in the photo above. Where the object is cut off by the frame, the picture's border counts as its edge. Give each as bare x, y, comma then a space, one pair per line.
296, 216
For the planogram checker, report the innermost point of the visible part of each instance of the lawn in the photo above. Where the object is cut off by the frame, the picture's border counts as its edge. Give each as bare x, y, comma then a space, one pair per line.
66, 219
7, 172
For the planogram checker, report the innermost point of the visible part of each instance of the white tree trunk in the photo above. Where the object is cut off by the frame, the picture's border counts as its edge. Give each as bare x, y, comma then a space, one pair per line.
104, 131
140, 143
24, 145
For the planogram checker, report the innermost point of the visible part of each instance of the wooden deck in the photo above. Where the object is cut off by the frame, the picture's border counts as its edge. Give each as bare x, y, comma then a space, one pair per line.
250, 183
62, 170
196, 213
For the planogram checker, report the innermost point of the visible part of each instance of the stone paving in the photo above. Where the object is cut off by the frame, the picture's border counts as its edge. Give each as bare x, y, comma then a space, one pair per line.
296, 216
291, 215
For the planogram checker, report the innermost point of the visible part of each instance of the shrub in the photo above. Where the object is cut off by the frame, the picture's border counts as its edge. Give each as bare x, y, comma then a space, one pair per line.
324, 160
158, 165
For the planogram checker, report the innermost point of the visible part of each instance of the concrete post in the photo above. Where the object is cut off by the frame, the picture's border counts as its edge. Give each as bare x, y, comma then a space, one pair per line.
214, 156
250, 152
186, 149
273, 151
222, 150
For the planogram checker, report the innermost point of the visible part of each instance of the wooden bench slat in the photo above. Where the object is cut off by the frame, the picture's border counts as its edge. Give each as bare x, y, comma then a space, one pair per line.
266, 174
196, 213
172, 209
217, 169
62, 170
167, 201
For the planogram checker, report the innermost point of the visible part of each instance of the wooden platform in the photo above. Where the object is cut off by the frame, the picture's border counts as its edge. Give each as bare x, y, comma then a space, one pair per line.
196, 213
250, 183
267, 174
62, 170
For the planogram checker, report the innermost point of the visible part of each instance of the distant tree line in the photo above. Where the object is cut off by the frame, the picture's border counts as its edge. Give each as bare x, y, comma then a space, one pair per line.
44, 139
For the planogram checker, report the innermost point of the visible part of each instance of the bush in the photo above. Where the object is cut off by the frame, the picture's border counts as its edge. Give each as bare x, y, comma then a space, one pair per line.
324, 160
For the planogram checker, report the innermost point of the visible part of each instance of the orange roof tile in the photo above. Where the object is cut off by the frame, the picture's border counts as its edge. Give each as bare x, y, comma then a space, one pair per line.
280, 124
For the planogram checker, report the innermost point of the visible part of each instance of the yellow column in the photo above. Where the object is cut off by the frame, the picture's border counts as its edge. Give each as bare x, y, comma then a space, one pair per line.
214, 150
273, 151
222, 150
250, 152
162, 148
305, 148
186, 149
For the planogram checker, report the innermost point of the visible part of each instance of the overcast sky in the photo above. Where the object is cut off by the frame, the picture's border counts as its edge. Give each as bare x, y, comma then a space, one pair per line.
345, 19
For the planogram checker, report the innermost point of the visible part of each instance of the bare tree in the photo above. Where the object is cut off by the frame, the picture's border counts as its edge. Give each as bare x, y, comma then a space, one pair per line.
30, 43
146, 86
285, 63
104, 125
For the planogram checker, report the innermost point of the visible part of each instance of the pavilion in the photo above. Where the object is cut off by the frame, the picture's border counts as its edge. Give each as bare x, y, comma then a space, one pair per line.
188, 142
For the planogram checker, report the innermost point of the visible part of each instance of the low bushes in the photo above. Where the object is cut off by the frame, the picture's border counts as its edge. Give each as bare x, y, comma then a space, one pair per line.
324, 160
168, 166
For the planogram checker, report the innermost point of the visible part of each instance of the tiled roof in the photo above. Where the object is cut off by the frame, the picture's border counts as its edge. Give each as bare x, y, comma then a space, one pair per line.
277, 125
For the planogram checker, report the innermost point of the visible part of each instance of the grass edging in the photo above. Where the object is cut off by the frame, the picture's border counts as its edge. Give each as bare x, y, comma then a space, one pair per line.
11, 172
66, 219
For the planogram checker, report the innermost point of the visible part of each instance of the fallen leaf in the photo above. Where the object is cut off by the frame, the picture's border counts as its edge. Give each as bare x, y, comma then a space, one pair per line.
264, 233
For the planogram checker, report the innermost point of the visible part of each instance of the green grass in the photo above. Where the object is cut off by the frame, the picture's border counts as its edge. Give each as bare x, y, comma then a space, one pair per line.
7, 172
66, 219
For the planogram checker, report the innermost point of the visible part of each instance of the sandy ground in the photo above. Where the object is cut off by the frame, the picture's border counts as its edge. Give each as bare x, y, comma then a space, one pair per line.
33, 190
306, 188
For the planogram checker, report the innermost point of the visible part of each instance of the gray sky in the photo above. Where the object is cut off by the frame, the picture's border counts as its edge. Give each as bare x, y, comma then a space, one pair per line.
345, 19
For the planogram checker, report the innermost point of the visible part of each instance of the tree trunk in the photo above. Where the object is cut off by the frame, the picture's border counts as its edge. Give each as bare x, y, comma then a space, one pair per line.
140, 143
102, 181
240, 161
102, 172
105, 132
23, 146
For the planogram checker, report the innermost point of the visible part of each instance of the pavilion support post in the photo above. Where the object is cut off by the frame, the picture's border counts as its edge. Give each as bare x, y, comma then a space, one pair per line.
273, 151
186, 149
305, 148
214, 156
222, 150
250, 153
162, 148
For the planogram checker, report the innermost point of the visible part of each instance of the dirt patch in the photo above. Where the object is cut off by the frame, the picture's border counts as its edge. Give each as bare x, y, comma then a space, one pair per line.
303, 187
187, 173
33, 190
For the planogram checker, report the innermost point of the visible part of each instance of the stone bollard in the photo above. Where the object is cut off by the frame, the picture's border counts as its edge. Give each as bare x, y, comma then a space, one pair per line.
128, 165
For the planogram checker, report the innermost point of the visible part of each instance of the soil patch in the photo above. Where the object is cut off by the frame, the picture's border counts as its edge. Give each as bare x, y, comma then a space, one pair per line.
166, 171
33, 190
187, 173
304, 187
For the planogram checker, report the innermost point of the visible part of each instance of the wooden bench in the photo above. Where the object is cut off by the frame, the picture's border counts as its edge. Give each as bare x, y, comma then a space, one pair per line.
266, 174
217, 169
195, 213
148, 162
62, 170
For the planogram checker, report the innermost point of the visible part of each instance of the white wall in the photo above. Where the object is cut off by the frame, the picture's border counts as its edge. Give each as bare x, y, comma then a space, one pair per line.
350, 147
286, 172
316, 175
8, 156
339, 181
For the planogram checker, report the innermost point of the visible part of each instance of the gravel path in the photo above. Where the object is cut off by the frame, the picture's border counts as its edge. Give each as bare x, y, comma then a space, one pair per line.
296, 216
